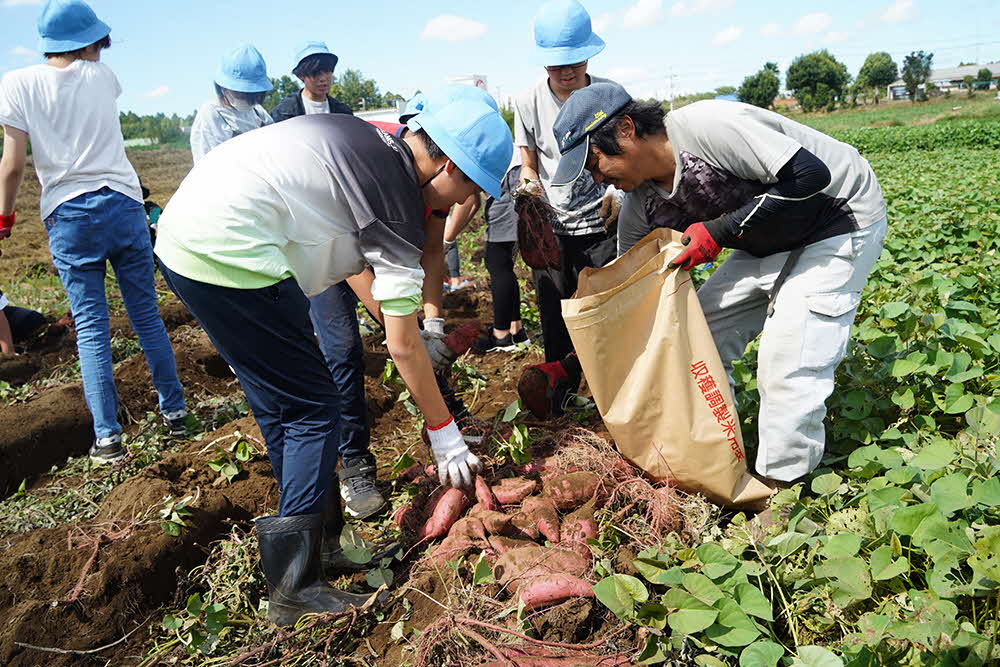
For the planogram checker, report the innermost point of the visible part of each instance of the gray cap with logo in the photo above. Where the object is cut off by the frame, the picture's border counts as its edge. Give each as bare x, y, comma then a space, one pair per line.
586, 110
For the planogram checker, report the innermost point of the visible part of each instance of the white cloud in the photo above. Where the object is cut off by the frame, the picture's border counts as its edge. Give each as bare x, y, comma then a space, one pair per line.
836, 37
624, 75
451, 28
813, 23
159, 91
727, 35
770, 30
643, 13
898, 12
692, 7
15, 3
602, 22
22, 52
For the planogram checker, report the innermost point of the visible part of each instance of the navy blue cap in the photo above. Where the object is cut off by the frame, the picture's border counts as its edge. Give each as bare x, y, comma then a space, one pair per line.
586, 110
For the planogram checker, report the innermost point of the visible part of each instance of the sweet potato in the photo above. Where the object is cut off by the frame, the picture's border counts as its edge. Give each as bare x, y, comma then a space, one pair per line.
484, 496
502, 545
571, 490
577, 528
512, 490
450, 548
550, 590
522, 526
444, 513
496, 522
470, 527
545, 515
405, 516
535, 561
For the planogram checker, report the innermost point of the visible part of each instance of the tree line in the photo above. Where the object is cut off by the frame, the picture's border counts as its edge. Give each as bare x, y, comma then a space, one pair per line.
819, 81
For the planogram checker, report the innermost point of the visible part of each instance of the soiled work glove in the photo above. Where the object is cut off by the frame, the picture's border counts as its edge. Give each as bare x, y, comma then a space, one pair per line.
456, 465
611, 206
701, 248
442, 356
531, 187
435, 325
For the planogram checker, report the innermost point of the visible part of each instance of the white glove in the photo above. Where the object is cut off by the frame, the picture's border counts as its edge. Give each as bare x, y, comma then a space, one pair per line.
456, 465
434, 325
611, 205
530, 187
442, 356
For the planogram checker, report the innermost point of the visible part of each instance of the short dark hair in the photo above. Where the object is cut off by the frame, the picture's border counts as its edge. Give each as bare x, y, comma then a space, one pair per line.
315, 64
250, 98
647, 117
434, 151
103, 43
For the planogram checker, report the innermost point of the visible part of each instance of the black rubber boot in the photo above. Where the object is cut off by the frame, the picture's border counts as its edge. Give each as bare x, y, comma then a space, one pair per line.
290, 557
335, 563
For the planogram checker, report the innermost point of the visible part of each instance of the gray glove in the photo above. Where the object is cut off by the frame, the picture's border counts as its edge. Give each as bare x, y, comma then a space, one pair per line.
442, 356
434, 325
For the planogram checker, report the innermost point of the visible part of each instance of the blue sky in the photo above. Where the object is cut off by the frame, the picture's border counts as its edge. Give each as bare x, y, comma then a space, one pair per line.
165, 53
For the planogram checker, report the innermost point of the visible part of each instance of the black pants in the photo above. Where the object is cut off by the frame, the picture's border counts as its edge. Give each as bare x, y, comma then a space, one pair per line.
266, 336
503, 284
553, 285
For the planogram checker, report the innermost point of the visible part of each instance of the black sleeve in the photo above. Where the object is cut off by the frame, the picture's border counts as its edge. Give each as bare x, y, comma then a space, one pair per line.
336, 106
284, 110
793, 196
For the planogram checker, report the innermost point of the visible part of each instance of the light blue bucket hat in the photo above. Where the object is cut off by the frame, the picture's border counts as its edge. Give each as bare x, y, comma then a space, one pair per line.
68, 25
313, 48
445, 95
474, 136
563, 34
243, 70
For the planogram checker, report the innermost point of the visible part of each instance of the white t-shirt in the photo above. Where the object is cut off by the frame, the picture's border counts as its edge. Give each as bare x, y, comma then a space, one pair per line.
215, 123
576, 204
71, 117
323, 106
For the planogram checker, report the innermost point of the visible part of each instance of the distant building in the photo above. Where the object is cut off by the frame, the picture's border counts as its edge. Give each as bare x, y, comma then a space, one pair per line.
948, 78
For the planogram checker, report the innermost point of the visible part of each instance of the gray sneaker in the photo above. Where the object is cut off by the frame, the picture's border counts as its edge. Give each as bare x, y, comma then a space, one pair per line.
107, 450
357, 487
176, 423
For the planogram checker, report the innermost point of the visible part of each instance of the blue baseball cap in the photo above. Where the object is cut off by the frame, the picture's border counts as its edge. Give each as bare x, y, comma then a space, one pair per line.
445, 94
243, 70
307, 49
68, 25
586, 110
474, 136
563, 34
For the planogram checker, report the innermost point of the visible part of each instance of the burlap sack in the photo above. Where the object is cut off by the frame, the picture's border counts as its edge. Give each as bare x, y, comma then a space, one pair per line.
655, 373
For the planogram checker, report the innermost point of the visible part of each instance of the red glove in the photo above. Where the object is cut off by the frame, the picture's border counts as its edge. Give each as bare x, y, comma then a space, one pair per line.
6, 222
701, 248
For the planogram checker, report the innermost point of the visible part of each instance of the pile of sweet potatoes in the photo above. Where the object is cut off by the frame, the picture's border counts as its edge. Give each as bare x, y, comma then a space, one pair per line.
532, 530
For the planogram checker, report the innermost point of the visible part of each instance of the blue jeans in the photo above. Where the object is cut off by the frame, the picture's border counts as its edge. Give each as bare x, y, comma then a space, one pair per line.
334, 316
85, 233
266, 337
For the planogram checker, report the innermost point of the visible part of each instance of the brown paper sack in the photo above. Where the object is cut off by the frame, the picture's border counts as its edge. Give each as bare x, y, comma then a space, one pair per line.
655, 373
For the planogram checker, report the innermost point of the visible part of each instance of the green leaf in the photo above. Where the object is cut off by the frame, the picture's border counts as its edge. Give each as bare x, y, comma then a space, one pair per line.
653, 653
894, 310
483, 574
956, 400
884, 567
752, 601
194, 605
849, 578
733, 627
652, 615
826, 484
872, 628
987, 493
787, 543
718, 562
690, 614
902, 367
403, 462
354, 546
216, 617
904, 398
511, 411
702, 588
816, 656
903, 475
379, 576
657, 572
763, 653
842, 544
619, 593
171, 623
170, 528
706, 660
883, 347
934, 456
951, 493
907, 520
983, 422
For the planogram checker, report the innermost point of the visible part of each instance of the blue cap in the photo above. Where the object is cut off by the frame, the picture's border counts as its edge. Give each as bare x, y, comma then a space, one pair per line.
586, 110
243, 70
68, 25
474, 136
445, 94
307, 49
563, 34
